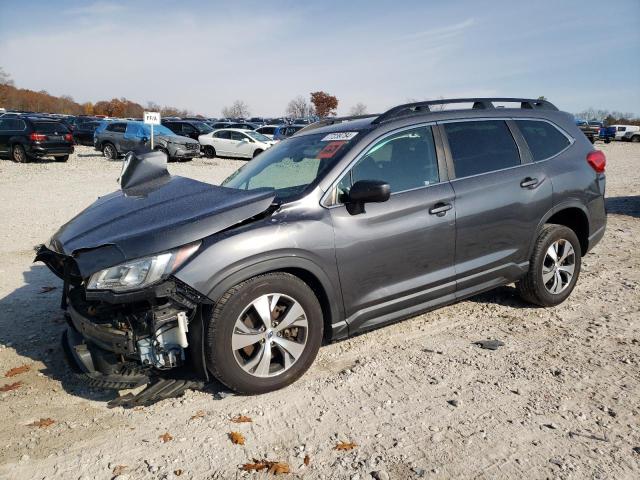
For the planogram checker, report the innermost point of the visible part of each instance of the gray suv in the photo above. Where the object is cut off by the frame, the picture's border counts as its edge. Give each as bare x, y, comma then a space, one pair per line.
350, 224
118, 138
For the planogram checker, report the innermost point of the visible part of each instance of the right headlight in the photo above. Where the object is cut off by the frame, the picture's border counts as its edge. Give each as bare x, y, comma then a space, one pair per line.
142, 272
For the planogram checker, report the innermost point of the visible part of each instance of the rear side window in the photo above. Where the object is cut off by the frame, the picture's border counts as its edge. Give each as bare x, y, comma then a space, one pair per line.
49, 127
117, 127
544, 139
224, 134
481, 147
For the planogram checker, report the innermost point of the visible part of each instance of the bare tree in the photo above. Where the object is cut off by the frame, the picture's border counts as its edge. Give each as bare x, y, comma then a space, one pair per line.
5, 78
358, 109
239, 109
299, 107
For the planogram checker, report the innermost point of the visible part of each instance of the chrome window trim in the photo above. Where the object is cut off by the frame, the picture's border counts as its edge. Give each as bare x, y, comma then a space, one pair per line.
364, 151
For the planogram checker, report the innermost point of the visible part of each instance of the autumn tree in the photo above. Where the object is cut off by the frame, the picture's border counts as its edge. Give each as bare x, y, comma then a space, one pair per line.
239, 109
87, 108
299, 107
325, 104
358, 109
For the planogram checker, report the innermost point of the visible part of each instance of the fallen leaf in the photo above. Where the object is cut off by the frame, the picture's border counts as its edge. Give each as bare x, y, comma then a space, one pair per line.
10, 386
178, 472
43, 423
119, 470
241, 419
138, 409
198, 414
307, 460
274, 468
236, 438
345, 446
166, 437
17, 371
47, 289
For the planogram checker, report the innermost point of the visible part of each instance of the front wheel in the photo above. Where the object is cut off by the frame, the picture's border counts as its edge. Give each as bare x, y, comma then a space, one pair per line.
264, 333
554, 267
256, 152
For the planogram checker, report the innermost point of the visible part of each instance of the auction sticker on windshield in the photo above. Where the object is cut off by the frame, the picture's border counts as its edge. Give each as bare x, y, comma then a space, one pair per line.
330, 149
332, 137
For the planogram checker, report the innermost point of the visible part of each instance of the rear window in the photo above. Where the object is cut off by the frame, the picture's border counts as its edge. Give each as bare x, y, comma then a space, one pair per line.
49, 127
481, 147
544, 139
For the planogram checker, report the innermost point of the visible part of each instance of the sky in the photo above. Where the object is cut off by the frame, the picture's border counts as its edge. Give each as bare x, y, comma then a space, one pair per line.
203, 55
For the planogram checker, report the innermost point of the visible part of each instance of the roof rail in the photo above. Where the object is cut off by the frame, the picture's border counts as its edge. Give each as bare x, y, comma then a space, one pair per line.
333, 121
417, 108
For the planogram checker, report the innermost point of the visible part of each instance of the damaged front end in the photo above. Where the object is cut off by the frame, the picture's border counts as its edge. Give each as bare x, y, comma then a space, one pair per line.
122, 339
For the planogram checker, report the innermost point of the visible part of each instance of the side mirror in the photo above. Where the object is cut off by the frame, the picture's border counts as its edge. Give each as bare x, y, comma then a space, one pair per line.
367, 191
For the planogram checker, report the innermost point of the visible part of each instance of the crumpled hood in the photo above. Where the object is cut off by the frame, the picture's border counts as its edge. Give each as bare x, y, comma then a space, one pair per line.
158, 215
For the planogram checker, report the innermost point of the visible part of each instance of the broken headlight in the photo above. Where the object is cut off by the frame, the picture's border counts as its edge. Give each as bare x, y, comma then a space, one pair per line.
141, 272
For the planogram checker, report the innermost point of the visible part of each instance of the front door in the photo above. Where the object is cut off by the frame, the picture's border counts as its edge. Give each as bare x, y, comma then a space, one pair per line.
396, 258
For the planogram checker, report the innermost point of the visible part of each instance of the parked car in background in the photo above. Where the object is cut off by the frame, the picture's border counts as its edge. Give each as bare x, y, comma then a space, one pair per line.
631, 136
267, 130
188, 128
607, 134
118, 138
285, 131
622, 129
243, 126
591, 129
23, 138
83, 132
218, 125
234, 142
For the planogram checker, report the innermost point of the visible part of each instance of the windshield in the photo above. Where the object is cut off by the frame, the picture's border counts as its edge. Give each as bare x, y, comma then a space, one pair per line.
292, 167
257, 136
140, 130
202, 127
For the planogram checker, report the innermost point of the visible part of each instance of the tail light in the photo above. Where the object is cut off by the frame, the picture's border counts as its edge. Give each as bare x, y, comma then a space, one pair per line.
68, 137
597, 160
37, 137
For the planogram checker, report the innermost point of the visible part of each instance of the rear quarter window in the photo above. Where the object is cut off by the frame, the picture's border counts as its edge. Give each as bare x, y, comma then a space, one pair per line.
544, 140
481, 146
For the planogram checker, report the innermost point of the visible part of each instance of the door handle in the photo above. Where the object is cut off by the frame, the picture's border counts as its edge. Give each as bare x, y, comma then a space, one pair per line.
440, 209
529, 182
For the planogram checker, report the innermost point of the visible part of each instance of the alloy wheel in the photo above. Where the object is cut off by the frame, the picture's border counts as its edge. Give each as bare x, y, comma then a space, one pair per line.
558, 266
270, 335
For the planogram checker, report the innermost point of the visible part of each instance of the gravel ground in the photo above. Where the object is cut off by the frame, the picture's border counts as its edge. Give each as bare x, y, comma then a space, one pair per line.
560, 399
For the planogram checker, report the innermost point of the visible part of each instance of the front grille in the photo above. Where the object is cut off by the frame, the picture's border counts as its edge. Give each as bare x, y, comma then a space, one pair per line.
192, 146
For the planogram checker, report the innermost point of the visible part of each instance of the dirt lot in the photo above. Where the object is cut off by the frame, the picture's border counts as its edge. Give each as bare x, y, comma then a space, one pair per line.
561, 399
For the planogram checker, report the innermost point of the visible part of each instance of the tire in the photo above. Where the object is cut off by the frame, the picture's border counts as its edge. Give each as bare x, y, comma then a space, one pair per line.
242, 369
209, 151
62, 158
109, 151
635, 138
257, 152
165, 151
18, 154
537, 286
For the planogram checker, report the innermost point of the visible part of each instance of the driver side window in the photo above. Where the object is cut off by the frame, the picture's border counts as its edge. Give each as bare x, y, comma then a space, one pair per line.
405, 160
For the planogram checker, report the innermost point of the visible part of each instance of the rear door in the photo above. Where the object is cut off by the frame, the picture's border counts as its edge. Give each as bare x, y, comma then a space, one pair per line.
222, 142
4, 136
241, 145
500, 198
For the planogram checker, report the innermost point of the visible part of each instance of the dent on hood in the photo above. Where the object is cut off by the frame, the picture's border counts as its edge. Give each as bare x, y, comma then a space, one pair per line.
153, 212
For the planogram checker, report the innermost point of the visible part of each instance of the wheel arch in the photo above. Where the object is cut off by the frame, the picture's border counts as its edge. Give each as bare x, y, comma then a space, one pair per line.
572, 215
307, 271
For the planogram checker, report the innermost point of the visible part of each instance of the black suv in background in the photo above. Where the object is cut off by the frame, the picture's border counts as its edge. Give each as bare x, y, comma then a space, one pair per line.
83, 132
25, 138
188, 128
348, 225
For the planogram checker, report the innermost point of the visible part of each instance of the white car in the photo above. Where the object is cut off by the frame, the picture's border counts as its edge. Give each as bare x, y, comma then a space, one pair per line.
268, 130
233, 142
621, 130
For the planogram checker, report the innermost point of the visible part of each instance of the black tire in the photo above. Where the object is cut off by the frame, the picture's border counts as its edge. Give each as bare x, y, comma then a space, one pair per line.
209, 151
109, 151
62, 158
221, 321
635, 138
19, 154
607, 140
257, 152
532, 288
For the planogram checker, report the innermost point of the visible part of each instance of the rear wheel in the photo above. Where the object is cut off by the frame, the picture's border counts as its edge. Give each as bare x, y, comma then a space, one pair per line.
554, 267
110, 151
635, 138
209, 151
264, 333
62, 158
19, 154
